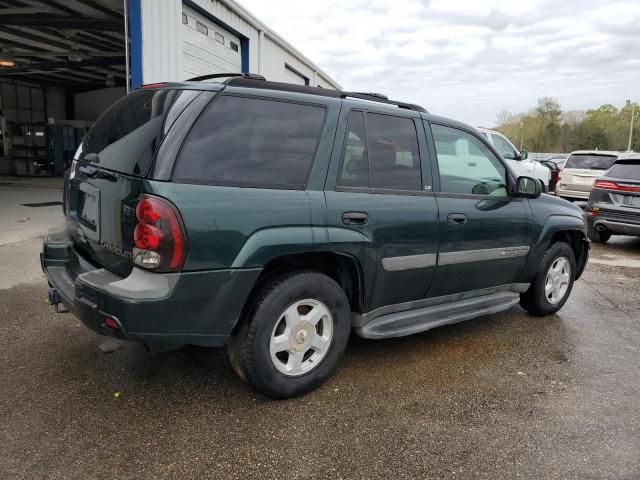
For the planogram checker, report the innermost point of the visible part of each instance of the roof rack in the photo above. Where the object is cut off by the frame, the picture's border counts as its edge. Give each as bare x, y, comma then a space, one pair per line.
251, 81
253, 76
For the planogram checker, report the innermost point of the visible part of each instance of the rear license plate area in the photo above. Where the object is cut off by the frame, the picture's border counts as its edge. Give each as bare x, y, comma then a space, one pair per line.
88, 206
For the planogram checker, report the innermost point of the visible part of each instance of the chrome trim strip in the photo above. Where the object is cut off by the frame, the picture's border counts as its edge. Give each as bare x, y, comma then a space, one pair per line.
393, 264
468, 256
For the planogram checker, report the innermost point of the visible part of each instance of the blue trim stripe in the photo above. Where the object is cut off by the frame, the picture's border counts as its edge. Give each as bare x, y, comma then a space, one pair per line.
244, 52
135, 42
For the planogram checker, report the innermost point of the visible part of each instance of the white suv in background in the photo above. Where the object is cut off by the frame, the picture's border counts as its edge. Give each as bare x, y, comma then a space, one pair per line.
582, 168
518, 161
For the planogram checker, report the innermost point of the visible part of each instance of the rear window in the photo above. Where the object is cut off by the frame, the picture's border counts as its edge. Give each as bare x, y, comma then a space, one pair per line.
625, 170
126, 137
593, 162
241, 141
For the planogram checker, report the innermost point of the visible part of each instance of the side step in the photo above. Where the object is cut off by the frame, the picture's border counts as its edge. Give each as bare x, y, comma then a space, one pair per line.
408, 322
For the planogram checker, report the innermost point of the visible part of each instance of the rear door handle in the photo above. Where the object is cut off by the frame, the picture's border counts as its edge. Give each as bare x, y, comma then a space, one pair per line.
457, 219
355, 218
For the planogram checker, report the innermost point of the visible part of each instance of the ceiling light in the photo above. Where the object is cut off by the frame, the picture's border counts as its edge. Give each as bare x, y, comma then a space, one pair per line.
7, 62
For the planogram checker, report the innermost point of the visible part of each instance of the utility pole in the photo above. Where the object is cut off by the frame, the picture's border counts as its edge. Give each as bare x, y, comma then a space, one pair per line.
633, 114
521, 134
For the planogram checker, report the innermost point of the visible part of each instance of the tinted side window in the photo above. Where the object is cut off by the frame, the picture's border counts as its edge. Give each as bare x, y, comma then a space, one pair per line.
393, 152
244, 141
355, 163
466, 165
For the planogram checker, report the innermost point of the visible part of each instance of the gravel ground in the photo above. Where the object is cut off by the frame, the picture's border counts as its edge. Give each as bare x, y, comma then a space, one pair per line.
502, 396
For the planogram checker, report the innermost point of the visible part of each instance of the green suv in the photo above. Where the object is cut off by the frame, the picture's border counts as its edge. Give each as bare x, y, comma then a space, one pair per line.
275, 219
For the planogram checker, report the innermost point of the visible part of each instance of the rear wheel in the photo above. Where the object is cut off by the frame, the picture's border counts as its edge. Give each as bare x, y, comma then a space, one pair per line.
553, 282
293, 335
598, 236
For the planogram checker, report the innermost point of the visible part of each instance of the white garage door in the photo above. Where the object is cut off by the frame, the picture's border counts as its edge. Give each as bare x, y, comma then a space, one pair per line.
207, 47
294, 77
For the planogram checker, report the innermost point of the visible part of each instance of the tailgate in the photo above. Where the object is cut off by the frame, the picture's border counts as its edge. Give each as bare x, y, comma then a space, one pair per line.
109, 168
101, 213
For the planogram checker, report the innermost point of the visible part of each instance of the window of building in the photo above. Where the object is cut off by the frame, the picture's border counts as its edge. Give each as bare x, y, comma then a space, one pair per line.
252, 142
185, 19
202, 28
466, 165
234, 46
219, 38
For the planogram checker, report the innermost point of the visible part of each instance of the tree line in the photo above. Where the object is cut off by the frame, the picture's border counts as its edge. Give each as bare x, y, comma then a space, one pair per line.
546, 128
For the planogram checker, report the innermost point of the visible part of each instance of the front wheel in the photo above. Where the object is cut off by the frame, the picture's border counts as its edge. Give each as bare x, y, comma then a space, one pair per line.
553, 282
293, 335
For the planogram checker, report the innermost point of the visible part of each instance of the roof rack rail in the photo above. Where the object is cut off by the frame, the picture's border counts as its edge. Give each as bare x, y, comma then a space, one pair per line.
374, 94
252, 76
251, 82
382, 99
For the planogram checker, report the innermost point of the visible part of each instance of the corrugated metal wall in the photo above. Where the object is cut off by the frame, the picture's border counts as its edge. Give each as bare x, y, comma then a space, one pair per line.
161, 40
162, 43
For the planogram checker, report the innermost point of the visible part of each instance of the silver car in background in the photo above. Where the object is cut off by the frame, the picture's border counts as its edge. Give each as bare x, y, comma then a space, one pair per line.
582, 168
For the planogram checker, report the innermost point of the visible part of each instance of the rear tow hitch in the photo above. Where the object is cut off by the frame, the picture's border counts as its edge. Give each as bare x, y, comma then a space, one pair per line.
56, 301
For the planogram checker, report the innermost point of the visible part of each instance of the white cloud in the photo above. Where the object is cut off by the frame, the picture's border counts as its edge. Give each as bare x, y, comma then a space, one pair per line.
470, 59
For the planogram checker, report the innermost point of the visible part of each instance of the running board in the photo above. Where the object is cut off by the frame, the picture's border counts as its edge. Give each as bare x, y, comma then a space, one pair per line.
408, 322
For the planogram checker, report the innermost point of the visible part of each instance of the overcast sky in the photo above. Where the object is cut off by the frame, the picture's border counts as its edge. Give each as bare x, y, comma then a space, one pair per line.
470, 59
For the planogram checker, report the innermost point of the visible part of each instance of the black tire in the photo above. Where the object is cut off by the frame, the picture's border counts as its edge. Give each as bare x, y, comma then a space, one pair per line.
249, 351
535, 300
598, 236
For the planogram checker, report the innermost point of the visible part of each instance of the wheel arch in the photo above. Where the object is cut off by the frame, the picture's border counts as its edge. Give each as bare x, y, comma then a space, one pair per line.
342, 268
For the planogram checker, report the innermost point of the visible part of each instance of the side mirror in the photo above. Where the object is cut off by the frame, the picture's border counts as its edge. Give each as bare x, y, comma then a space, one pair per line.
523, 155
528, 187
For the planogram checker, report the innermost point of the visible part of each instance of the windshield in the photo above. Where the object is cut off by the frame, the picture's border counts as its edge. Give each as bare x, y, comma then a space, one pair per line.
625, 170
591, 162
126, 137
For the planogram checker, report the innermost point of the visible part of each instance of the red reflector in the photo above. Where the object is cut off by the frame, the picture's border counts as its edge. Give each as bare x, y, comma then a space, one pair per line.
111, 323
147, 237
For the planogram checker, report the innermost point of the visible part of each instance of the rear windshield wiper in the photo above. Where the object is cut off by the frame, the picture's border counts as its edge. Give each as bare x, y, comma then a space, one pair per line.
93, 172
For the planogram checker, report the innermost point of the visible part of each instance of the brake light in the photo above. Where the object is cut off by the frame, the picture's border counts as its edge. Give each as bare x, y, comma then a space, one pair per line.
159, 238
154, 85
608, 185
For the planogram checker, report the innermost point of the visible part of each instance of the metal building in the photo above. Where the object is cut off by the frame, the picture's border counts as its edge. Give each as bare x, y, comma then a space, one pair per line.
177, 39
63, 62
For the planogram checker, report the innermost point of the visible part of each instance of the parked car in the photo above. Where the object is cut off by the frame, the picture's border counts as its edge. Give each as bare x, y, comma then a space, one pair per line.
614, 203
518, 161
581, 170
275, 219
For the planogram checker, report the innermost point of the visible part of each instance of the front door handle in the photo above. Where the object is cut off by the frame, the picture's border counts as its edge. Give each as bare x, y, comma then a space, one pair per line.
457, 219
355, 218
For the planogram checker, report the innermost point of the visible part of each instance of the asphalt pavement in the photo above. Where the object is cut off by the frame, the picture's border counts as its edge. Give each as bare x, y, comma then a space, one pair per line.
502, 396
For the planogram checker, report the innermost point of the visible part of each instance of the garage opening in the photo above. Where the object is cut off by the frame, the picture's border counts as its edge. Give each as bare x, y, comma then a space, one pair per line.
62, 63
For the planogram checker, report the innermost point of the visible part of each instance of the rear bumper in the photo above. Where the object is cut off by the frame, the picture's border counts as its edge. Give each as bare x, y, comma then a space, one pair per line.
567, 193
198, 308
617, 227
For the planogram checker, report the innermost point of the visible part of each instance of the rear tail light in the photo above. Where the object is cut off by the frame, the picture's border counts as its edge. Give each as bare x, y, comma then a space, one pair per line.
618, 187
159, 237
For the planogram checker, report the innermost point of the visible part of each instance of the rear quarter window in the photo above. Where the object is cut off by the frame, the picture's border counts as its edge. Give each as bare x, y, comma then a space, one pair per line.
252, 142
